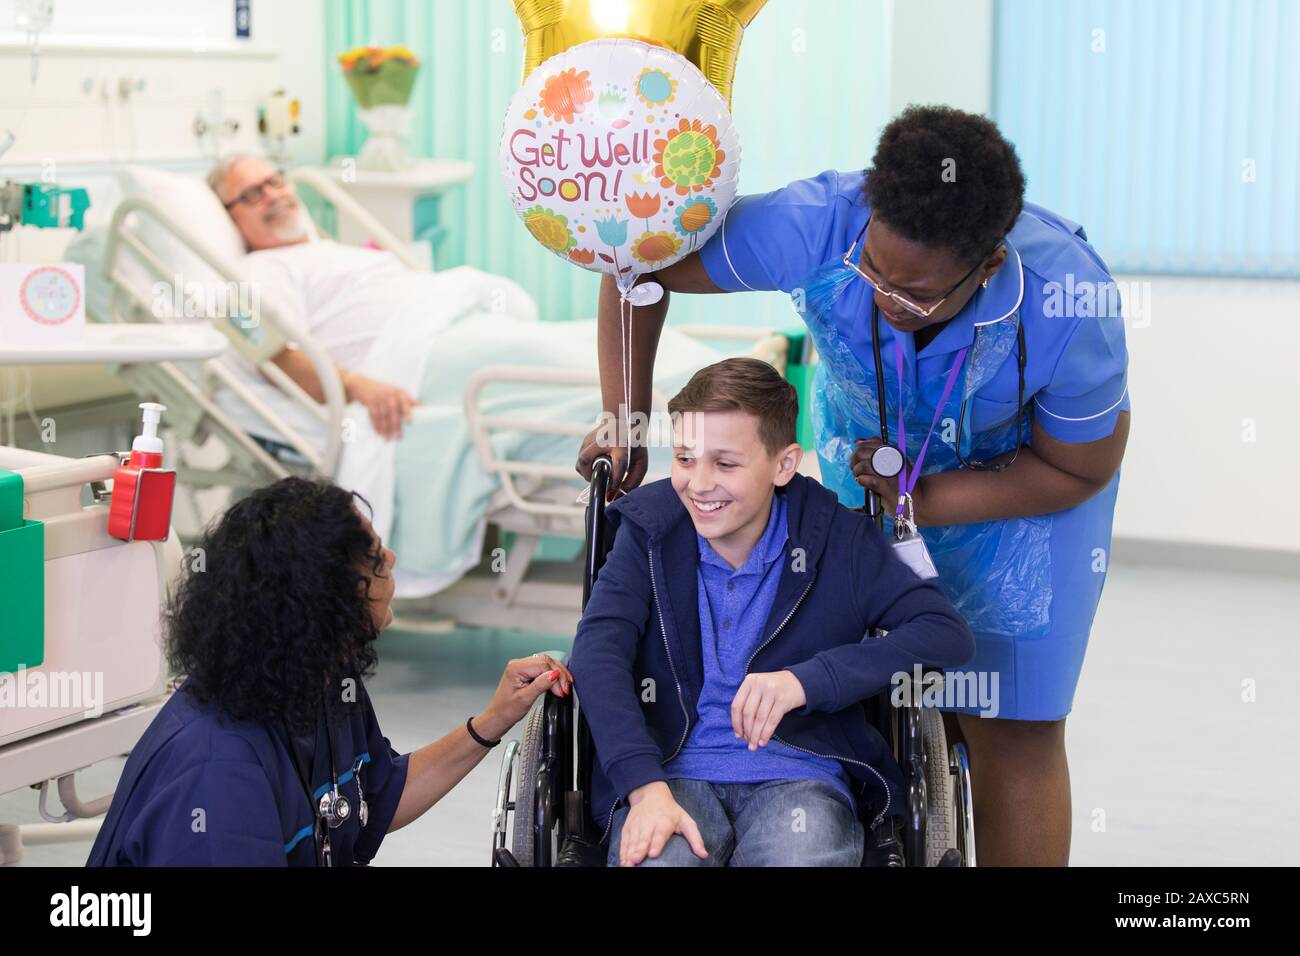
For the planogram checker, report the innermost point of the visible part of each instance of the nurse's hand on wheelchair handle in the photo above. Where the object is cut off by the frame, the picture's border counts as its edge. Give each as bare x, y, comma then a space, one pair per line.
622, 477
522, 682
651, 822
886, 488
761, 702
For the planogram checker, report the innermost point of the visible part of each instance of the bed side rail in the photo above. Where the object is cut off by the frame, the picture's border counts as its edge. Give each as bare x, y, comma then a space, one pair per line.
258, 340
348, 207
531, 485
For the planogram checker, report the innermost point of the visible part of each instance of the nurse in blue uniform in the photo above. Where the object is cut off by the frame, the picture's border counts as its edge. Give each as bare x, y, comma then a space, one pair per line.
270, 753
989, 333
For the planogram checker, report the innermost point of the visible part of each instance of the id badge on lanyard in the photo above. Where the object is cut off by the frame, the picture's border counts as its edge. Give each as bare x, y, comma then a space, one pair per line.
909, 545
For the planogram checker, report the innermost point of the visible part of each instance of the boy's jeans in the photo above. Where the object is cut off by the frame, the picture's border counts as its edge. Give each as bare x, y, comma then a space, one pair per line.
777, 823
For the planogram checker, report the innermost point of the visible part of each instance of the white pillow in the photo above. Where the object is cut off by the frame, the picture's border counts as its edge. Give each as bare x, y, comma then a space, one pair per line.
190, 202
194, 207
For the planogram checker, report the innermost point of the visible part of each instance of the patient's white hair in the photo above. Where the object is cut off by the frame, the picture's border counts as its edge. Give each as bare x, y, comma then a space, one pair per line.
223, 167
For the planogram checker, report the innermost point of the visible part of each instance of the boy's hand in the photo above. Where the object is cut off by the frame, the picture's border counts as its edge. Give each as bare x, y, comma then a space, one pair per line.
655, 816
761, 702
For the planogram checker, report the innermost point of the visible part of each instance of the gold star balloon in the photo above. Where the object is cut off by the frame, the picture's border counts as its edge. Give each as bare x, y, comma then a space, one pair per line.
706, 32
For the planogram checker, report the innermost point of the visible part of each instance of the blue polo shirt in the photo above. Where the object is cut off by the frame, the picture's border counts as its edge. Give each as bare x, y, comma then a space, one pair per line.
1076, 374
734, 605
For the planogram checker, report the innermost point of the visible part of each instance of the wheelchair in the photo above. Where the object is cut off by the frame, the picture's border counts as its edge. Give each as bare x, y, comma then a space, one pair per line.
542, 816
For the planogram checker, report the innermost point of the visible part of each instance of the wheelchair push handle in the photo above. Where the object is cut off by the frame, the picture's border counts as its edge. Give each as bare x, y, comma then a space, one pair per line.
886, 461
601, 470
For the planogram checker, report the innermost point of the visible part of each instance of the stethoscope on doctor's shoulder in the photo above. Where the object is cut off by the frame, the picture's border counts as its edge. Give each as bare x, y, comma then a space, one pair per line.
888, 460
333, 809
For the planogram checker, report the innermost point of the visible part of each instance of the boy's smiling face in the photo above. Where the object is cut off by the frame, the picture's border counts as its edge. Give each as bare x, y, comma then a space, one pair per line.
725, 477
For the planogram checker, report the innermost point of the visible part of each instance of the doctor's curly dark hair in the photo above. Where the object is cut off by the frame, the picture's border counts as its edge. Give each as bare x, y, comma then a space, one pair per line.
274, 611
970, 209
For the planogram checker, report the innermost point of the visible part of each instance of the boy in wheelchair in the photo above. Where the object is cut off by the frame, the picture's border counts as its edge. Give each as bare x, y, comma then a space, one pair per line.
721, 661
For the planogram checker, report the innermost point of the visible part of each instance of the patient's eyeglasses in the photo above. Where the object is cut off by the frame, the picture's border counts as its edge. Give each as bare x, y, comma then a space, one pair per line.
851, 260
254, 193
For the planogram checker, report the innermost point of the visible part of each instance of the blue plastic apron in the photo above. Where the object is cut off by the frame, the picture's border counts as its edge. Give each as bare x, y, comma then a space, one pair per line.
998, 574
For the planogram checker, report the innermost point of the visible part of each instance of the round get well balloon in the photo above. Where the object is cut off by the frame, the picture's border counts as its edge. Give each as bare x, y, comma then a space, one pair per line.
620, 156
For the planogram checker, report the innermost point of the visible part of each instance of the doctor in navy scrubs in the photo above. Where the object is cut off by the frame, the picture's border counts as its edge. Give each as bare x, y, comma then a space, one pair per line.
989, 332
270, 753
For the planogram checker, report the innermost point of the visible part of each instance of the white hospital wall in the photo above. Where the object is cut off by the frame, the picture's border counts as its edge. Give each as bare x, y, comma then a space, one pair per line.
77, 124
1214, 359
1213, 457
940, 51
125, 82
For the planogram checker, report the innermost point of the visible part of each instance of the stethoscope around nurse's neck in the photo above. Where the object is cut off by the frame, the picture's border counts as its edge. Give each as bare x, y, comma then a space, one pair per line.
887, 460
333, 809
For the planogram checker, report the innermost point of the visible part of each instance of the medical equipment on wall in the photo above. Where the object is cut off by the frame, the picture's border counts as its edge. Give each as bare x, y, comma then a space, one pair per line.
38, 302
33, 17
277, 120
42, 206
212, 126
143, 489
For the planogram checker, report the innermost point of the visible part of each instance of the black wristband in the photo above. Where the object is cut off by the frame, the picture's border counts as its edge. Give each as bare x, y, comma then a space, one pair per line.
489, 744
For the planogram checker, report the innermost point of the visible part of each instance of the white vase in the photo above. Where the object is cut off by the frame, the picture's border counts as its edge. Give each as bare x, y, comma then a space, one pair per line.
385, 148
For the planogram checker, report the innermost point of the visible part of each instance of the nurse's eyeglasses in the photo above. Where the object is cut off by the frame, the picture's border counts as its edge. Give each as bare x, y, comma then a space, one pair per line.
253, 194
920, 311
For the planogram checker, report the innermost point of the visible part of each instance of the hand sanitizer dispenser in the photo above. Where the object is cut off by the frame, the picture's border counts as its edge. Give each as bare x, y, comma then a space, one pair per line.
141, 509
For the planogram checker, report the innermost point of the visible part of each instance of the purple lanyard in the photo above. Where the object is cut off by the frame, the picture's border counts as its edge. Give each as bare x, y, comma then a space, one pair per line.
907, 483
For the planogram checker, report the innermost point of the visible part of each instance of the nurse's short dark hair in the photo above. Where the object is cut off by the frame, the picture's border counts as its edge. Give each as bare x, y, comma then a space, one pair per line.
272, 614
946, 178
744, 385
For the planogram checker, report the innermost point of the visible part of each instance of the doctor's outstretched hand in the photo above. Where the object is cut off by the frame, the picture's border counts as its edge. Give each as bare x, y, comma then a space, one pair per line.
522, 682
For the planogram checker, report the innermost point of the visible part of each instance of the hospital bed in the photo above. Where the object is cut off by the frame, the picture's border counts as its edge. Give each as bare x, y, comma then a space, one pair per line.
244, 423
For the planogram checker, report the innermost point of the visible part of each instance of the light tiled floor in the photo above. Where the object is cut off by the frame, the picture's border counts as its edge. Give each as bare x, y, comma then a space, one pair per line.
1169, 764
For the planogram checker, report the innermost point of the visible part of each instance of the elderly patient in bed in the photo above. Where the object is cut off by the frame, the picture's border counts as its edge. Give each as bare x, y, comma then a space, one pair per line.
342, 294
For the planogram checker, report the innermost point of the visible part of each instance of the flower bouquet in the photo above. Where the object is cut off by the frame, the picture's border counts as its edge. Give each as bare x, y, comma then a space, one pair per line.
381, 80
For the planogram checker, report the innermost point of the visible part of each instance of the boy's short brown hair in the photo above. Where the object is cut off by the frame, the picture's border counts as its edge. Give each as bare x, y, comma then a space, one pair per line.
744, 385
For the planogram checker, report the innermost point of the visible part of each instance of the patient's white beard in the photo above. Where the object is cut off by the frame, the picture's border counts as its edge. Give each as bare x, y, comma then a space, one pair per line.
290, 230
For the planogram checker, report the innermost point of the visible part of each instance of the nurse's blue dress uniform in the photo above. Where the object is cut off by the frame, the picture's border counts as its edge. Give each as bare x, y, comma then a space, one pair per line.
199, 790
1028, 587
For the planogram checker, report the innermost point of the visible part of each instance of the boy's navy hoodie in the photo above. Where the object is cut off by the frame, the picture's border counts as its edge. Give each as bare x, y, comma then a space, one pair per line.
638, 665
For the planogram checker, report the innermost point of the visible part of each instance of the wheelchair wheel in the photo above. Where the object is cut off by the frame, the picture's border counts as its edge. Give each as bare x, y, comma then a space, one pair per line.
532, 787
943, 819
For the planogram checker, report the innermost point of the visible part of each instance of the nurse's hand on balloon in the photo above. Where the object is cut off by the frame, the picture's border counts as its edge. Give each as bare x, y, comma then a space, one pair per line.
522, 682
886, 488
623, 476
